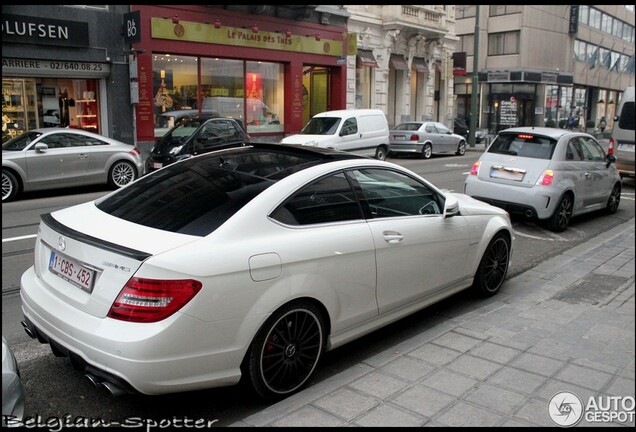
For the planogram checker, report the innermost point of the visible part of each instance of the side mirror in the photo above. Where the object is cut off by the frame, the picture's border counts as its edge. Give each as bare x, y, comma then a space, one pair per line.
451, 206
41, 147
610, 160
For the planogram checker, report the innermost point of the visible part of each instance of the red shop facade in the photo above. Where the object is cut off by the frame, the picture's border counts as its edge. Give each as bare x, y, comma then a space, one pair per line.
271, 73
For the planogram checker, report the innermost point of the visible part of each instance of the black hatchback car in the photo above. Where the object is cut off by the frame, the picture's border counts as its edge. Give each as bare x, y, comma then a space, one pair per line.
195, 136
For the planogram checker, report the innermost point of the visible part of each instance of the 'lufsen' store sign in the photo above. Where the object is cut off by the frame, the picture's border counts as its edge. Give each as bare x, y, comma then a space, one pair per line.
198, 32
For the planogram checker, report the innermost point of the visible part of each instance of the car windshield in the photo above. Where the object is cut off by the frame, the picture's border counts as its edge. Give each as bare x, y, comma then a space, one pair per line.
176, 137
197, 196
408, 126
321, 126
524, 145
21, 141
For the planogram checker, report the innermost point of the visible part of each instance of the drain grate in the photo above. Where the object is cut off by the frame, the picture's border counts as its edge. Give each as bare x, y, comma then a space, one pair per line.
591, 289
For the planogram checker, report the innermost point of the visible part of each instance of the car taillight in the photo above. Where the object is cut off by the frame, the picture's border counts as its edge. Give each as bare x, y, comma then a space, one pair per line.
475, 169
151, 300
414, 137
610, 149
546, 178
135, 151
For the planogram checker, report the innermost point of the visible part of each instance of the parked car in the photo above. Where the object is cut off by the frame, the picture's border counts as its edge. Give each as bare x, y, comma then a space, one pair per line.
424, 139
546, 173
12, 388
51, 158
622, 139
461, 127
168, 120
364, 132
251, 262
194, 136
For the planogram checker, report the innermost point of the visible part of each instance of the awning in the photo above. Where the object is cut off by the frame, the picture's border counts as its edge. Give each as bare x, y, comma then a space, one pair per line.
398, 62
420, 65
366, 59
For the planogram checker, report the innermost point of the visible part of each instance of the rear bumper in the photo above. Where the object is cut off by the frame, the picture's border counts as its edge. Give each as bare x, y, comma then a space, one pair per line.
415, 147
177, 354
535, 202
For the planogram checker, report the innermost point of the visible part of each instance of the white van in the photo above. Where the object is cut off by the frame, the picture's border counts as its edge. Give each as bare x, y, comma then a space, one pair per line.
622, 139
360, 131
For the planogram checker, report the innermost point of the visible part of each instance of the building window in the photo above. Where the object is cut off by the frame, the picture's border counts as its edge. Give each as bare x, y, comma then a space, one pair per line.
363, 87
595, 18
496, 10
264, 97
465, 11
466, 43
503, 43
606, 23
584, 14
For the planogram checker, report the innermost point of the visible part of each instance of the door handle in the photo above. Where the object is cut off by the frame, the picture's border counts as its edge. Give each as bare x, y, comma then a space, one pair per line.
392, 237
82, 156
587, 174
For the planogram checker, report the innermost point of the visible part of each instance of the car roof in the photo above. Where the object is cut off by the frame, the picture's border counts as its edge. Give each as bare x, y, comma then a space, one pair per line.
554, 133
195, 112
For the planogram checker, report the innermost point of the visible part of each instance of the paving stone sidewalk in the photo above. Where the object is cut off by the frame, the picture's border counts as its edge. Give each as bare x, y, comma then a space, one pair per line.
565, 325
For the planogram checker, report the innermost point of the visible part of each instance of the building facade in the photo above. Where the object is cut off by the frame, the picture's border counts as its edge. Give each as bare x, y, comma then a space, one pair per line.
60, 68
539, 64
403, 62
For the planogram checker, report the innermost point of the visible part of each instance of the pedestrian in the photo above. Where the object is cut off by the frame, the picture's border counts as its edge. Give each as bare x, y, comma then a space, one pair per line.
570, 122
602, 124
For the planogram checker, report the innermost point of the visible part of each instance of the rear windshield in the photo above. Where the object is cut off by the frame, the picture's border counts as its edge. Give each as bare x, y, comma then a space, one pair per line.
196, 196
172, 141
524, 145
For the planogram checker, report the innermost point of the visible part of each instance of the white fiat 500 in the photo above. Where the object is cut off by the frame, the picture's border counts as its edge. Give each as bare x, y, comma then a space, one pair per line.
547, 174
251, 262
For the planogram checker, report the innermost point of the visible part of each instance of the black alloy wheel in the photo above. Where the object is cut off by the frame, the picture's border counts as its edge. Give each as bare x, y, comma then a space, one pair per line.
560, 220
614, 199
286, 351
493, 266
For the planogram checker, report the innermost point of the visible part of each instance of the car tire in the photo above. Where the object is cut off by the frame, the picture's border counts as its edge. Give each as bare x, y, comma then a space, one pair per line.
614, 199
560, 219
292, 339
427, 151
10, 186
493, 266
461, 148
121, 173
380, 153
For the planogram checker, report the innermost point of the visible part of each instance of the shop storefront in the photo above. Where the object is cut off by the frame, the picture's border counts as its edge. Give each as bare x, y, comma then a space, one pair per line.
60, 91
270, 73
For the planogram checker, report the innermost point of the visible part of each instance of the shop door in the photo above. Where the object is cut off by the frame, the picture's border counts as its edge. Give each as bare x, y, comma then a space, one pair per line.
525, 112
315, 91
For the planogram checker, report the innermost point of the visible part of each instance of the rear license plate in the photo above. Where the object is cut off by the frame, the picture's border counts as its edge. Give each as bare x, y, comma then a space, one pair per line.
72, 271
626, 147
505, 173
398, 137
157, 165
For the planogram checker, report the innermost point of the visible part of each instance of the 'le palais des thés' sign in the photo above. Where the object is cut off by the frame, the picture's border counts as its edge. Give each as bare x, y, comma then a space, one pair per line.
208, 33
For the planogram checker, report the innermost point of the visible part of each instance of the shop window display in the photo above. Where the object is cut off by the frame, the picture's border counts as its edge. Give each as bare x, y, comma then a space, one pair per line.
251, 92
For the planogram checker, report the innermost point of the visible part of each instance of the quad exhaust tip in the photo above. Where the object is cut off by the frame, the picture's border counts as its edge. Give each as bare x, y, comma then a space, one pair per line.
98, 382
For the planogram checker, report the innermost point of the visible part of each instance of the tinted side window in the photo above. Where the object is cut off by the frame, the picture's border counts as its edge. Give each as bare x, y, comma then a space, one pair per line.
388, 194
573, 151
329, 199
626, 119
592, 150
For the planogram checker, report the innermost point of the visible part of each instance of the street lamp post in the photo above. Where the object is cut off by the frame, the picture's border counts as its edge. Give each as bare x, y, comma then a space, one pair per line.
474, 92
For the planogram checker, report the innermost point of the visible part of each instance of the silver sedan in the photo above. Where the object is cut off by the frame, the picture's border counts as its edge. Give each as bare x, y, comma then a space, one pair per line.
51, 158
424, 139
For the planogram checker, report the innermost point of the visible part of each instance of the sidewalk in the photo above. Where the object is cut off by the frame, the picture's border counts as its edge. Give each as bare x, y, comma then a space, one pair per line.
566, 325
